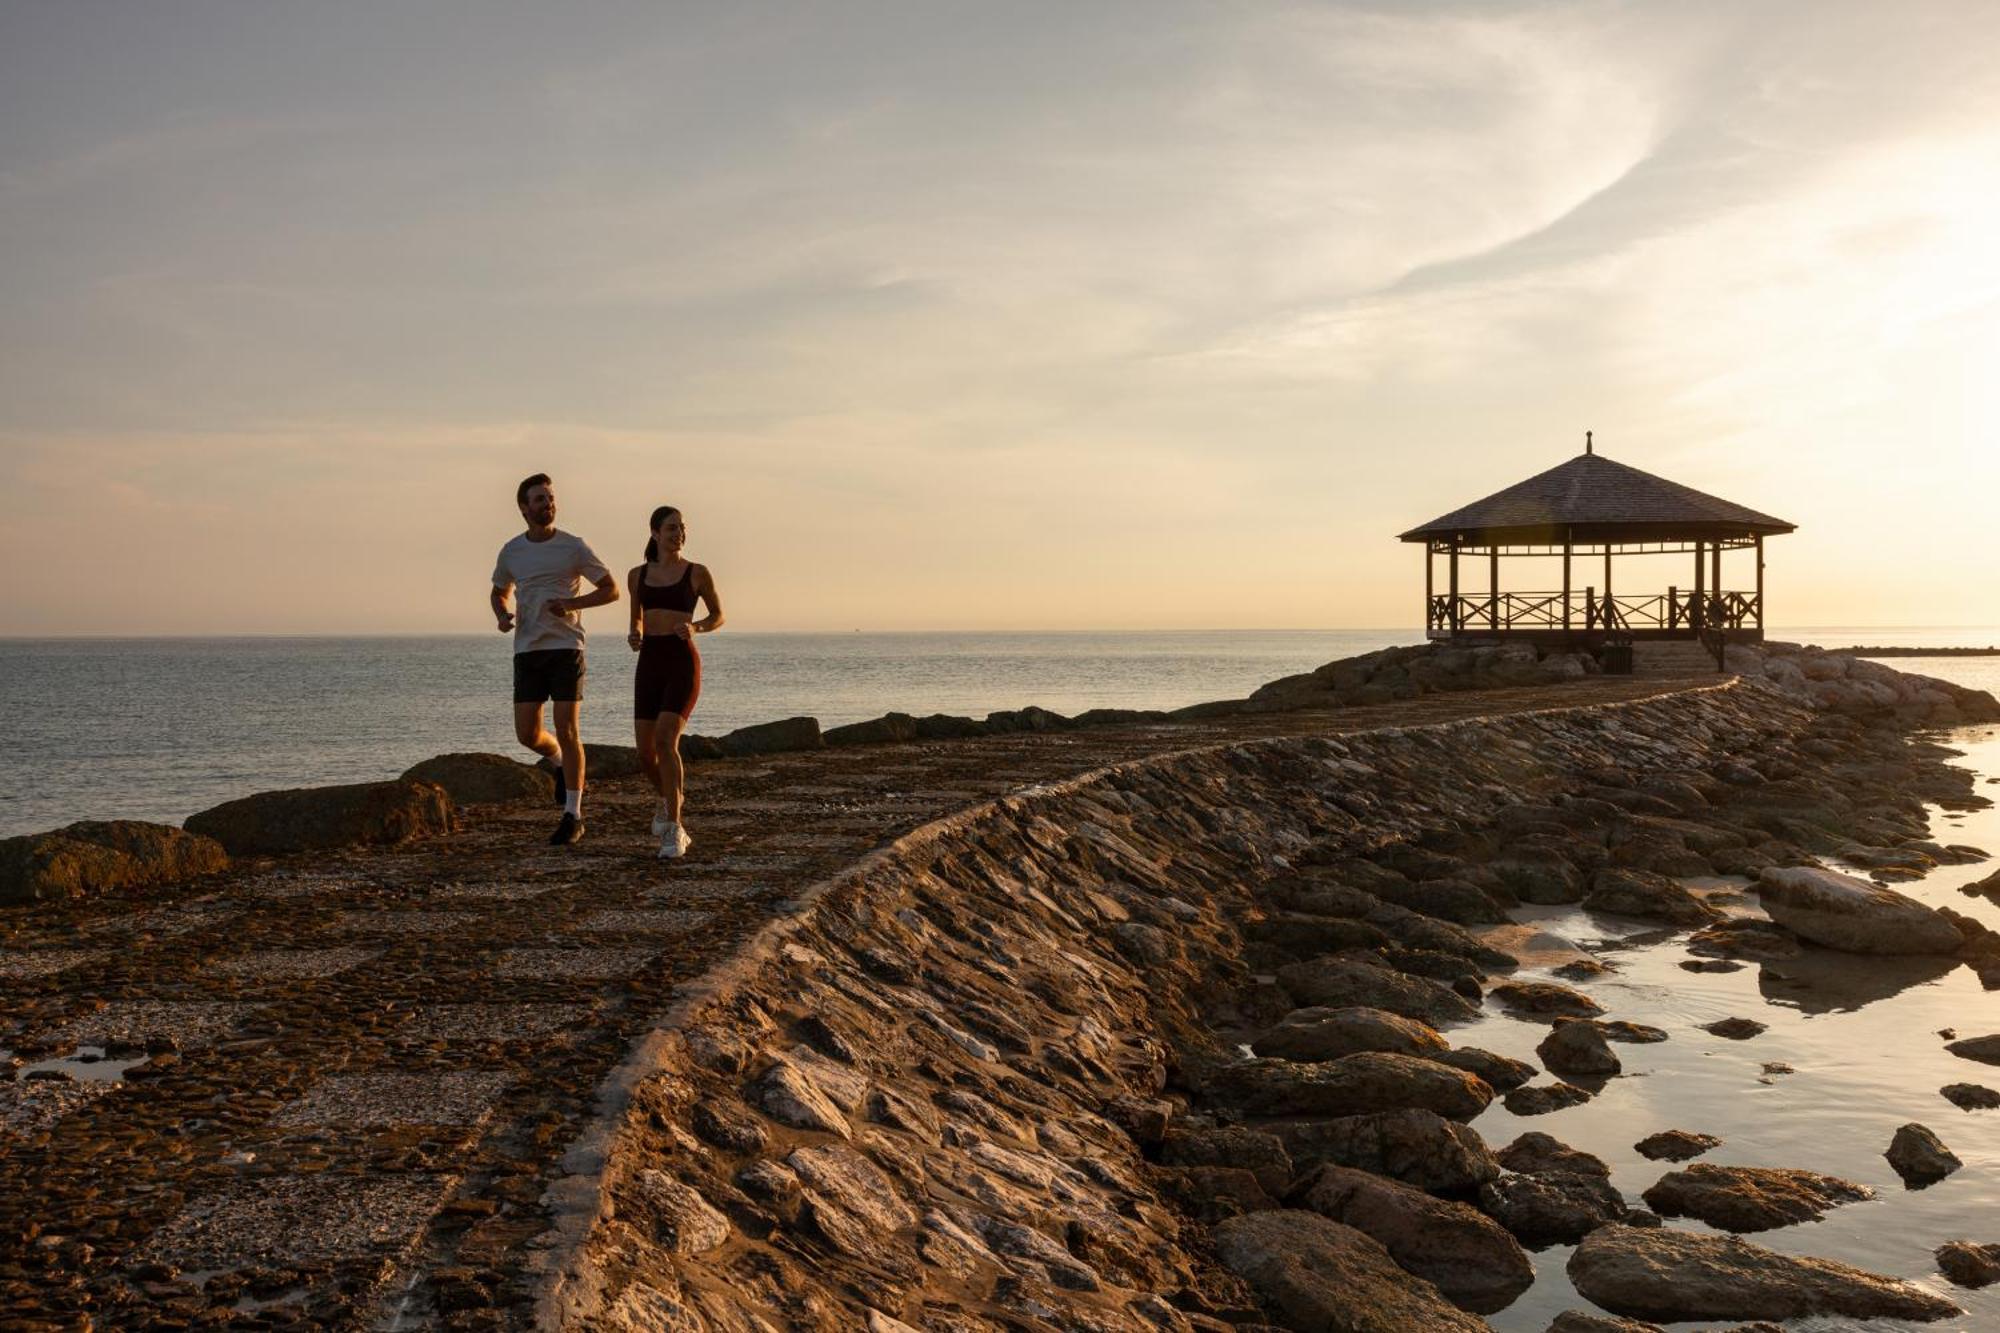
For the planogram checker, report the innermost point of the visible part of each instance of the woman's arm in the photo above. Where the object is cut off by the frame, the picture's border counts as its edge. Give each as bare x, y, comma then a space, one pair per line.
705, 589
637, 633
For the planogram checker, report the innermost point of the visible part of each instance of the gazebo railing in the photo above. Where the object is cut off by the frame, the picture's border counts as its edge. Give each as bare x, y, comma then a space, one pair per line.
1673, 610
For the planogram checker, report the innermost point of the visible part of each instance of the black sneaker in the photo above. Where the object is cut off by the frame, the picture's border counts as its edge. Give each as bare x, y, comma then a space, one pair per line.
562, 788
570, 830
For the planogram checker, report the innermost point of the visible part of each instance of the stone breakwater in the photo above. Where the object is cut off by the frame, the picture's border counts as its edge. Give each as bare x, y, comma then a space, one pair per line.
995, 1076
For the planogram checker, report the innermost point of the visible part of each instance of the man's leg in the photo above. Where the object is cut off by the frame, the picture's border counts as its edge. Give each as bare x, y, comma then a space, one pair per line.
572, 752
528, 730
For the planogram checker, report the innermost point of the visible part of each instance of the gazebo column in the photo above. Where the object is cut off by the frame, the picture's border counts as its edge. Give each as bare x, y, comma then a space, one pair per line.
1493, 587
1610, 620
1454, 587
1715, 572
1760, 583
1566, 546
1430, 590
1695, 615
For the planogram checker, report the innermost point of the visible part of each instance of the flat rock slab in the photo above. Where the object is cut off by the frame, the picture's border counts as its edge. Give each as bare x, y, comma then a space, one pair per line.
189, 1024
293, 964
1842, 912
1750, 1198
26, 965
572, 964
166, 921
1668, 1275
680, 890
1323, 1275
367, 1101
493, 1022
648, 921
26, 1109
293, 1221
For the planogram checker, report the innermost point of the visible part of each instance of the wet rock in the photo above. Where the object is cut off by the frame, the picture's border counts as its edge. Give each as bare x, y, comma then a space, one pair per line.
97, 856
1675, 1145
1575, 1321
1551, 1208
1538, 1154
1322, 1275
1544, 1098
1985, 1049
1344, 982
1583, 969
1920, 1157
1320, 1033
1472, 1260
682, 1222
1352, 1085
1502, 1073
1617, 1029
1968, 1264
1744, 937
477, 779
1575, 1046
1841, 912
1623, 891
1452, 900
1419, 1148
1735, 1029
1711, 965
274, 823
1668, 1275
1750, 1198
1970, 1096
1544, 999
1261, 1154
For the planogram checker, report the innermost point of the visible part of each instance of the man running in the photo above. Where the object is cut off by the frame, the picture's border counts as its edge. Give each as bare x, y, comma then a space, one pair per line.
547, 565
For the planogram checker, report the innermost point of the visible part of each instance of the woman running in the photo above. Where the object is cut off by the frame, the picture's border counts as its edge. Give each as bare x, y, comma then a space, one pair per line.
664, 591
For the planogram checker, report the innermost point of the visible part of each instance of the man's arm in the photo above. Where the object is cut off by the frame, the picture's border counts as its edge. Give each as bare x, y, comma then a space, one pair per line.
607, 591
501, 614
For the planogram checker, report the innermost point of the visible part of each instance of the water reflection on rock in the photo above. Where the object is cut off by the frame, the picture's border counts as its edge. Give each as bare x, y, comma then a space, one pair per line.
1820, 981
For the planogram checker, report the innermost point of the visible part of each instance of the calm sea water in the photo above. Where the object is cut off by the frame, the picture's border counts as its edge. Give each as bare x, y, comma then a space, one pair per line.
159, 728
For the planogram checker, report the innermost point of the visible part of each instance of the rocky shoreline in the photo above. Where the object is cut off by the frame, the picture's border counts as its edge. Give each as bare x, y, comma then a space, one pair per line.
1167, 1046
1159, 1036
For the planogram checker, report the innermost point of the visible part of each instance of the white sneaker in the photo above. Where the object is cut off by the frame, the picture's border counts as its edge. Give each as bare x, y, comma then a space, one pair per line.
674, 842
661, 823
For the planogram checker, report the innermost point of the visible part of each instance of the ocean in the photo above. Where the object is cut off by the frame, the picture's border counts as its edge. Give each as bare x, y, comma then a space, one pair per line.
157, 729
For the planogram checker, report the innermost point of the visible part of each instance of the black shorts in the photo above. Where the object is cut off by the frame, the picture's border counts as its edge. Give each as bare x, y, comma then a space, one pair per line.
548, 673
668, 679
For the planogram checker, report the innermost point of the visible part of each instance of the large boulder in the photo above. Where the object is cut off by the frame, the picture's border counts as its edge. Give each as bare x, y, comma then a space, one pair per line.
1667, 1275
1352, 1085
1552, 1207
1576, 1046
1750, 1198
888, 729
1337, 981
1320, 1033
1232, 1147
478, 779
1920, 1156
1321, 1275
97, 856
1419, 1148
786, 734
1473, 1261
304, 819
1852, 915
1623, 891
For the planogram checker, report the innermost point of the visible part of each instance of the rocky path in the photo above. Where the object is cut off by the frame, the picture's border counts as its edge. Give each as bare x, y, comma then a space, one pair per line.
333, 1090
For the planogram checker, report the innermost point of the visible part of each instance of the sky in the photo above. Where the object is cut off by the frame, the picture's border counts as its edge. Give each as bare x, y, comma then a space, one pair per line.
948, 315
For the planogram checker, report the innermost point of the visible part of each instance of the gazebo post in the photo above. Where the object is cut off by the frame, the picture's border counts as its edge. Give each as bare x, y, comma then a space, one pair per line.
1430, 593
1610, 620
1696, 616
1567, 535
1454, 587
1715, 571
1493, 586
1760, 586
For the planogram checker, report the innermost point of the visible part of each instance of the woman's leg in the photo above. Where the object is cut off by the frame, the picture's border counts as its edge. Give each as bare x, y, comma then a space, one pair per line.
644, 729
667, 745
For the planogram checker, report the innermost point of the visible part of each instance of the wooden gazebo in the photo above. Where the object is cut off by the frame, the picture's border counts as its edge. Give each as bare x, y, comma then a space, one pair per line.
1586, 509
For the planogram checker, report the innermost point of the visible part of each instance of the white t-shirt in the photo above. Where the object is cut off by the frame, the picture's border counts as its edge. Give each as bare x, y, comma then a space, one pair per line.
539, 572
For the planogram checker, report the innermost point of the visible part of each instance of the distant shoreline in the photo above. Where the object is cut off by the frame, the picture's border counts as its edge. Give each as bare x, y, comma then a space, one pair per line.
1917, 652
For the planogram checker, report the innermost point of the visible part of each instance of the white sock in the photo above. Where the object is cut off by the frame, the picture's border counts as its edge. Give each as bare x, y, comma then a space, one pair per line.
573, 803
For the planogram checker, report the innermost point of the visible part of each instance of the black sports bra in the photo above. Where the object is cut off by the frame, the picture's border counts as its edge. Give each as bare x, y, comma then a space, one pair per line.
675, 596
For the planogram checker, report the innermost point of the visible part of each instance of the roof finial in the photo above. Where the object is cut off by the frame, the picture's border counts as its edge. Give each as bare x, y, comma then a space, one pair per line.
1586, 443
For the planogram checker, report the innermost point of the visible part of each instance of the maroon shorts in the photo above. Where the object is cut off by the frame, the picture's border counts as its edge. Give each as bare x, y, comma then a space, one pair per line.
668, 680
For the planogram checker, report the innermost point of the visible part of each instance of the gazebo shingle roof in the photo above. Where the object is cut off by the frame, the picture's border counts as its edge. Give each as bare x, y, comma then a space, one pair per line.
1592, 498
